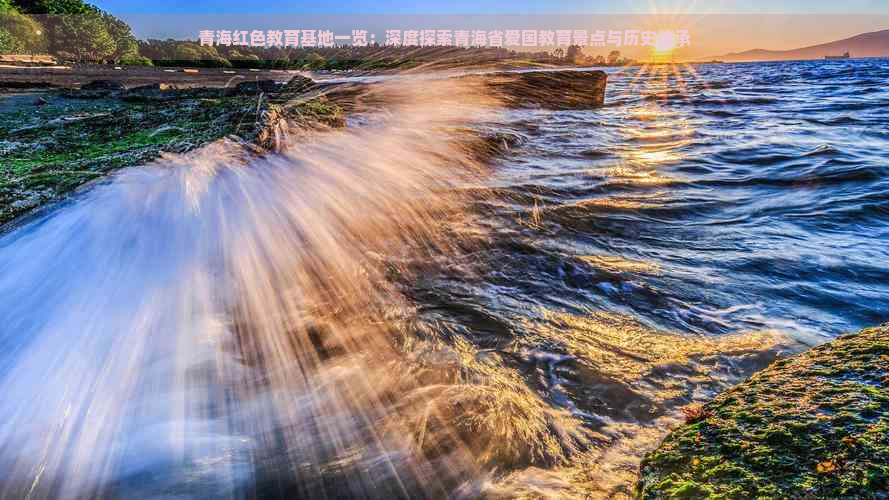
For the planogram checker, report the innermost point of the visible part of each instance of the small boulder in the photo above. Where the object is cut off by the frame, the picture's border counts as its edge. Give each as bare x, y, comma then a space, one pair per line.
96, 89
298, 84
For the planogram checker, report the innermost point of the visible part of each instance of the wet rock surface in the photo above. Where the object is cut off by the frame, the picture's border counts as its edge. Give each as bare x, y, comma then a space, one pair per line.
549, 89
812, 426
151, 92
109, 85
299, 83
76, 136
81, 134
257, 86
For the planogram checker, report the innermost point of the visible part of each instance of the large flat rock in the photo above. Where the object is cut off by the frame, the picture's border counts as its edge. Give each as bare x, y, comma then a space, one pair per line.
551, 89
565, 89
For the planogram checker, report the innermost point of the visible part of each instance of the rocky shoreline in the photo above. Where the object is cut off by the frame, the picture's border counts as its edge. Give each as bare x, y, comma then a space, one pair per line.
815, 425
57, 140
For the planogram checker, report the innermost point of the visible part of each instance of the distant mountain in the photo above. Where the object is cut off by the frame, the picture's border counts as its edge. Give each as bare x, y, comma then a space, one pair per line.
874, 44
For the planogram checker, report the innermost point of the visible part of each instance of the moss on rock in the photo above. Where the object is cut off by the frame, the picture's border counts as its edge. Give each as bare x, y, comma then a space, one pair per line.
58, 141
811, 426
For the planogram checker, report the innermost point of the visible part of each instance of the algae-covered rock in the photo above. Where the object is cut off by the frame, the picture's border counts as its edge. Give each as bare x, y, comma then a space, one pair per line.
47, 151
812, 426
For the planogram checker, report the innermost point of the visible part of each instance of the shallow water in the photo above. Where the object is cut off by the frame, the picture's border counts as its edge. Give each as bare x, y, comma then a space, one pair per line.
374, 313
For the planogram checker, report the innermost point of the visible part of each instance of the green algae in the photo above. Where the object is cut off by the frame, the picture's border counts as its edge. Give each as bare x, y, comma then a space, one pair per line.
811, 426
51, 144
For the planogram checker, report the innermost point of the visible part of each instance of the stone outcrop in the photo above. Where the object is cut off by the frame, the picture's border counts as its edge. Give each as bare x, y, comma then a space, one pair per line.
107, 85
97, 89
566, 89
298, 83
811, 426
81, 135
151, 92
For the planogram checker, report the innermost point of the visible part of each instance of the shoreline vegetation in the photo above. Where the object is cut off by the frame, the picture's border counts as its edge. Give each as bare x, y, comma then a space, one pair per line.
814, 425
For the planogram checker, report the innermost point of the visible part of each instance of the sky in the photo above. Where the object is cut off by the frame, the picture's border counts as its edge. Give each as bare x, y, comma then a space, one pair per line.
495, 7
717, 26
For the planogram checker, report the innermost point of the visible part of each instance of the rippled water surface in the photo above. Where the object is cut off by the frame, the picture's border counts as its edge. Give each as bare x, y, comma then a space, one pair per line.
711, 199
376, 313
741, 204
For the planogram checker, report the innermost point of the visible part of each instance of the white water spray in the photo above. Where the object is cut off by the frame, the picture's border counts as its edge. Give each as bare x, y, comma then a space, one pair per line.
221, 323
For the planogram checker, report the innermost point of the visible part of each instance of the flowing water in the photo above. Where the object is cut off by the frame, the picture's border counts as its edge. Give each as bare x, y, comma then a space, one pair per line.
383, 311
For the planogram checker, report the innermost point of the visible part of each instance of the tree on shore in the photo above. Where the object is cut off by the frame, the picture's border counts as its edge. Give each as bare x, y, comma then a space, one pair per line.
83, 36
51, 6
76, 30
19, 33
73, 30
126, 48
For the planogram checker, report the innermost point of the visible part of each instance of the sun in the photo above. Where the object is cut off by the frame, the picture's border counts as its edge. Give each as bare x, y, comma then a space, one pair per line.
665, 43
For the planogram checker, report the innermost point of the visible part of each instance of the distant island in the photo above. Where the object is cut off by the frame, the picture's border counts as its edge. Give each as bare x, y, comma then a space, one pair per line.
874, 44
